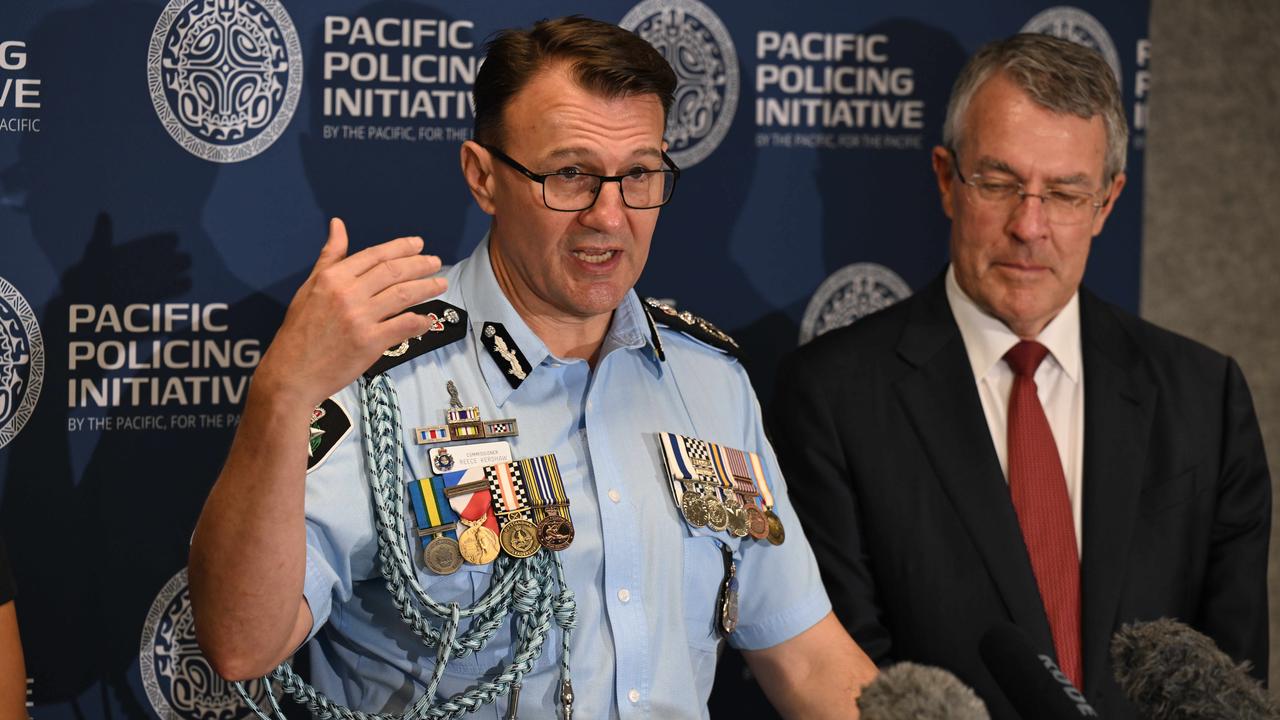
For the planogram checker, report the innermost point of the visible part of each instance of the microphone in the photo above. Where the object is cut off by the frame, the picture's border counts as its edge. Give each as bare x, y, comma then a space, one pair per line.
1167, 670
908, 691
1030, 679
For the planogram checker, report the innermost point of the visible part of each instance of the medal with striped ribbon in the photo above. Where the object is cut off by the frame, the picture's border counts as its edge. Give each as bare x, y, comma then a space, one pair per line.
685, 487
745, 487
776, 534
437, 520
549, 501
734, 507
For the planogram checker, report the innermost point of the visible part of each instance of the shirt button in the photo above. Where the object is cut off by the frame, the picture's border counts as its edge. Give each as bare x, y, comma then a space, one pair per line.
634, 695
615, 496
589, 406
624, 595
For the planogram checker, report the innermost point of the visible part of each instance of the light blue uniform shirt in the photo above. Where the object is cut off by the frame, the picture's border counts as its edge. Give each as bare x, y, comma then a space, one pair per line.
646, 583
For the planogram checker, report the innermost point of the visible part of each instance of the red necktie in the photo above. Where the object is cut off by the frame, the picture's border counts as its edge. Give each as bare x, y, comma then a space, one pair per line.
1039, 491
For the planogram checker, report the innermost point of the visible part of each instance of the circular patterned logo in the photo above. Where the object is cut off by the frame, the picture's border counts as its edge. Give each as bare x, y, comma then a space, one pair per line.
848, 294
1078, 26
692, 38
224, 75
179, 681
21, 361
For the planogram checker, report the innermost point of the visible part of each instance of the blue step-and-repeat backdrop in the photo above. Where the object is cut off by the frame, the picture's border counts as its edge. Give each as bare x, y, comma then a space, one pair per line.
166, 170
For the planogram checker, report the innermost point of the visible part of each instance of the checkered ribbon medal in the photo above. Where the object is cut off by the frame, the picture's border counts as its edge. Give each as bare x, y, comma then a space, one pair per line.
519, 536
686, 482
549, 501
702, 454
437, 521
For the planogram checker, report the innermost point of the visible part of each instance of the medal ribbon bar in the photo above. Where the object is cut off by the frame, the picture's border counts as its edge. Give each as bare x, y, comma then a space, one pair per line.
468, 494
761, 482
434, 516
546, 489
508, 489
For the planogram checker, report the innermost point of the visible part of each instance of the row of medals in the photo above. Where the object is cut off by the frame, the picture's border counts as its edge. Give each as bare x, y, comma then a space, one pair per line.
734, 516
478, 545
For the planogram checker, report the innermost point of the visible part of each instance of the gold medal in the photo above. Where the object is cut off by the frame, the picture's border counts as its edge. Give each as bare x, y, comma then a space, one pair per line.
478, 544
441, 556
777, 534
519, 538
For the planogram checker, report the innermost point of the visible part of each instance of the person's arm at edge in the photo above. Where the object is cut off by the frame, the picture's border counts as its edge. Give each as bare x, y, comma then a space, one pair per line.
1233, 606
248, 553
804, 421
13, 669
814, 675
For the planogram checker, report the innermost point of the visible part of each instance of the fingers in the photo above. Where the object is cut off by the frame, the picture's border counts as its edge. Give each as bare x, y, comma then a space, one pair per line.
335, 246
395, 329
361, 262
394, 271
401, 296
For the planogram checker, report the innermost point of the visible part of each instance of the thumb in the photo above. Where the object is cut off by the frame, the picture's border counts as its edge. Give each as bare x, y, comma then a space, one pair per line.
335, 246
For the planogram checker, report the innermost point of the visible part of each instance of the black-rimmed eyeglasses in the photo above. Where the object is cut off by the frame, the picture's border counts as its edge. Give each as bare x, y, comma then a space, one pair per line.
572, 190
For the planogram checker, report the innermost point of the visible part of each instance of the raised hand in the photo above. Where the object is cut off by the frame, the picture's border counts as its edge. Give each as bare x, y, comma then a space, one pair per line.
349, 310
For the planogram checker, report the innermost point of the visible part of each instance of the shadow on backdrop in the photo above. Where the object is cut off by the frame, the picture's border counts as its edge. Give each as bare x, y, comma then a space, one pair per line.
870, 200
384, 189
98, 522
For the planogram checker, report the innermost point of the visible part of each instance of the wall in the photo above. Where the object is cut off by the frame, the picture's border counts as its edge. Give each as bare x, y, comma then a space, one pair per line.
1211, 220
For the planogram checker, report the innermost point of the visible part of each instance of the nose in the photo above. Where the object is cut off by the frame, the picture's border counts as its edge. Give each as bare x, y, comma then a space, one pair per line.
1028, 221
609, 212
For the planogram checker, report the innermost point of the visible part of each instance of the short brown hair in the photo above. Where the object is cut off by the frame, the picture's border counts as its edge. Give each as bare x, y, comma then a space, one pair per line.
1057, 74
603, 58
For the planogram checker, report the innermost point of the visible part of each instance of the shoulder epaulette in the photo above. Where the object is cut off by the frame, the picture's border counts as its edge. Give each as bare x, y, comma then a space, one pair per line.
691, 325
448, 325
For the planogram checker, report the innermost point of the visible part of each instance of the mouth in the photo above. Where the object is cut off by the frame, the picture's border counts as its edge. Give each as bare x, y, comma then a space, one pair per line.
1022, 267
595, 256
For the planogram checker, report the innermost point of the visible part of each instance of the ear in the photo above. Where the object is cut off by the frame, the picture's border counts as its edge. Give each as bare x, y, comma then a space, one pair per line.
1117, 184
946, 177
477, 170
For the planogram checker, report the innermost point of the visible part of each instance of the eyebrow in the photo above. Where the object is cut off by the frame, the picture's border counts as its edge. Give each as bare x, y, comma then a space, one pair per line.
580, 152
990, 163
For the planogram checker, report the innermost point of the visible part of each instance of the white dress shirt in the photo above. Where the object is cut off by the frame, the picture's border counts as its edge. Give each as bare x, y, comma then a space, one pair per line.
1059, 382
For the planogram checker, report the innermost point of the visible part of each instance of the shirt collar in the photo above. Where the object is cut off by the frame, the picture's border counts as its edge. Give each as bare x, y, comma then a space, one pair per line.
485, 302
987, 339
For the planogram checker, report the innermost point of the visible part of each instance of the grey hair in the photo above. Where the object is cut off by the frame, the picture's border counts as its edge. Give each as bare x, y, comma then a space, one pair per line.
1059, 75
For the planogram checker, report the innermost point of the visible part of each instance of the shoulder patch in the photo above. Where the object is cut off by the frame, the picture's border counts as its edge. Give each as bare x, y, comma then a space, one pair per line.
448, 325
693, 326
329, 425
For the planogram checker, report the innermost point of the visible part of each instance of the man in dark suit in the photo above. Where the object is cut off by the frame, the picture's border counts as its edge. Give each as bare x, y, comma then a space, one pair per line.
1006, 447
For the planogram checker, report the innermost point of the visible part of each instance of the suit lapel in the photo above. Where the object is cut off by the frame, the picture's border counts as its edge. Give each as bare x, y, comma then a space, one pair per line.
941, 399
1118, 406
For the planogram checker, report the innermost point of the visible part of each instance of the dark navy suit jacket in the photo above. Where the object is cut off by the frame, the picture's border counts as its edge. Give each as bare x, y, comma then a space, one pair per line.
881, 436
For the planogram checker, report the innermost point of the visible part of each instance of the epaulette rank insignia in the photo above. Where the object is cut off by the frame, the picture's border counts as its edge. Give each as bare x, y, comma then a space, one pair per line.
691, 325
448, 325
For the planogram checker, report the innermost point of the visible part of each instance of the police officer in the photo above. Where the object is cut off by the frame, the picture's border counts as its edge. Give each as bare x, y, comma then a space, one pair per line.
538, 339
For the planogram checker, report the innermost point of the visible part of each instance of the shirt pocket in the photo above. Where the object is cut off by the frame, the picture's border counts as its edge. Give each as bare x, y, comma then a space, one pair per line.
704, 574
467, 587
